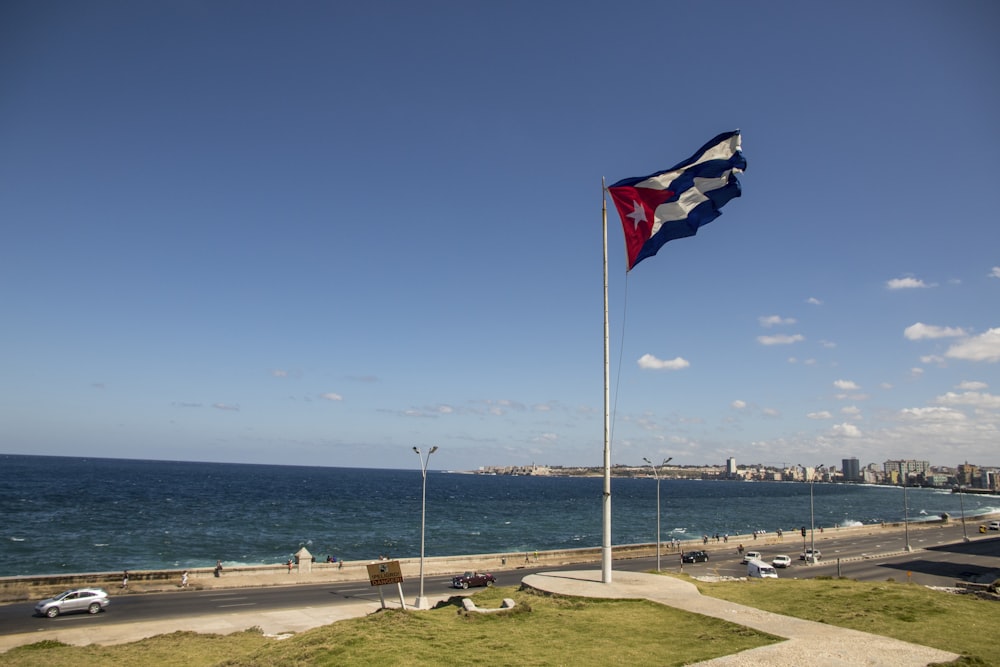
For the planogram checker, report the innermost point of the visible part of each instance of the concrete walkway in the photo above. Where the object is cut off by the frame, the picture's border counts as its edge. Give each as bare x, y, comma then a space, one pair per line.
809, 643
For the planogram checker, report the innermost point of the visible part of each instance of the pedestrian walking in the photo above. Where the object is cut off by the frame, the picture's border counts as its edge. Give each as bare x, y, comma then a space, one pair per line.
184, 579
125, 579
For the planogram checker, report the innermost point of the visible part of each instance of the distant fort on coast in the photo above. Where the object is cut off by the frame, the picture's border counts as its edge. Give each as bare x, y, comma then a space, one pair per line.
965, 477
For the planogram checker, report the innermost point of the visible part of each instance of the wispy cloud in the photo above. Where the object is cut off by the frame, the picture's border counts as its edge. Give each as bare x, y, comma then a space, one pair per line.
984, 347
920, 330
649, 362
768, 321
330, 396
906, 283
781, 339
226, 406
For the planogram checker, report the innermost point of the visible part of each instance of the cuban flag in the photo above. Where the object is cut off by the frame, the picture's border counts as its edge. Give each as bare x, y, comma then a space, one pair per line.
673, 204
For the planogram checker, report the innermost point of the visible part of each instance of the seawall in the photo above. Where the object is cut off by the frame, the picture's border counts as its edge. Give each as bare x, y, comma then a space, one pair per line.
143, 581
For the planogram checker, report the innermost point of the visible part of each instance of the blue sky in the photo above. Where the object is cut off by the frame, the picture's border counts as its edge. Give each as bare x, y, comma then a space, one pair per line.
321, 233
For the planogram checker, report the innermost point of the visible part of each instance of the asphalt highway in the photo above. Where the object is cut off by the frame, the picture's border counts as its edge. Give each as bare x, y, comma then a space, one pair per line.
939, 556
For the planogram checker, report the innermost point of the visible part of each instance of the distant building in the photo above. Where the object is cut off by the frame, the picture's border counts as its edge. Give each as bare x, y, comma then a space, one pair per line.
906, 471
731, 472
852, 470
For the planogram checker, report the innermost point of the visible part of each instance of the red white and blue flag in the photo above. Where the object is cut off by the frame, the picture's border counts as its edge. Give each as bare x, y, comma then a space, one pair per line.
673, 204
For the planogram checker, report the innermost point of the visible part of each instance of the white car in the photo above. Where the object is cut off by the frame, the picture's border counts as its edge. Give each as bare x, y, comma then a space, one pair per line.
781, 561
90, 600
993, 525
751, 555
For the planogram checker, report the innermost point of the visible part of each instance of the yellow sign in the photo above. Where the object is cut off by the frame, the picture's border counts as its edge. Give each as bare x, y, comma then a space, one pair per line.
385, 572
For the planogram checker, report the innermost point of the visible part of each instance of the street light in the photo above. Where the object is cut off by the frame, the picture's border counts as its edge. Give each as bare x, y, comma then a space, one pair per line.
906, 515
656, 474
423, 602
812, 517
965, 533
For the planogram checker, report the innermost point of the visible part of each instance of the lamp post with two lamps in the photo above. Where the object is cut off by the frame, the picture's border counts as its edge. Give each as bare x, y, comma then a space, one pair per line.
812, 517
656, 474
965, 533
906, 512
423, 602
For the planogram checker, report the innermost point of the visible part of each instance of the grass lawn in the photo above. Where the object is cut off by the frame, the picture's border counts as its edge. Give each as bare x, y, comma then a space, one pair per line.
540, 630
958, 623
544, 630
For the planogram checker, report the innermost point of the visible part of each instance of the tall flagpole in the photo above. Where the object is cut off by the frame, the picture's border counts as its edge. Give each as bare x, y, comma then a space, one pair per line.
606, 544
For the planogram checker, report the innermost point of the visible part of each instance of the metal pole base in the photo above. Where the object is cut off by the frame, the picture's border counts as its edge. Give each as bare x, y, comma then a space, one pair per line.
423, 603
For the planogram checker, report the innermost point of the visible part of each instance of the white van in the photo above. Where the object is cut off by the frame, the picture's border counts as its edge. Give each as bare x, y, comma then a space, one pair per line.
760, 569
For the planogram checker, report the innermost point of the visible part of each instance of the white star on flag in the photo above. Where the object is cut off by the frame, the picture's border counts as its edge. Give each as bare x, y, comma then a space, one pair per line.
638, 214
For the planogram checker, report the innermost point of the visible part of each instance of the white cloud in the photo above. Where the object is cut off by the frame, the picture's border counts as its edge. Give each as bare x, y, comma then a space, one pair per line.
226, 406
984, 347
920, 330
781, 339
330, 396
851, 410
824, 414
847, 431
814, 301
738, 404
995, 272
649, 362
770, 412
846, 385
905, 283
769, 321
932, 359
916, 372
971, 398
932, 414
279, 373
972, 385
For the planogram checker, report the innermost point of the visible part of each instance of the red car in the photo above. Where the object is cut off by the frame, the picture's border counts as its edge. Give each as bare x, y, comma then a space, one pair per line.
473, 579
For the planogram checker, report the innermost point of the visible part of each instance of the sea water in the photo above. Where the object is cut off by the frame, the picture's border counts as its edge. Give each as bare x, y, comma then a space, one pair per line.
68, 515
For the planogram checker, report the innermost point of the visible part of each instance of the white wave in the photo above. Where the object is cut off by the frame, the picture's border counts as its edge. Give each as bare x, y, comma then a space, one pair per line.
850, 523
17, 539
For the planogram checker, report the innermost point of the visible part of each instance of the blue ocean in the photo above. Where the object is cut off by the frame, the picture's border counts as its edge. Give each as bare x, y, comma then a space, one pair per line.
68, 515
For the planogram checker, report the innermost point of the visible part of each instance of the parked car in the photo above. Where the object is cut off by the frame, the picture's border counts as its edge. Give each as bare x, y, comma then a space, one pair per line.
751, 555
993, 525
90, 600
473, 579
694, 557
781, 561
810, 555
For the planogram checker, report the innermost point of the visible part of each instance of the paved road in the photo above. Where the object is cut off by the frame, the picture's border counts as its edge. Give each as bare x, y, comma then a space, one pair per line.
940, 557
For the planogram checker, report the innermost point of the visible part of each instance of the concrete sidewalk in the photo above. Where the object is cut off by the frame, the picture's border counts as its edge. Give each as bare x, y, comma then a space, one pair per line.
808, 642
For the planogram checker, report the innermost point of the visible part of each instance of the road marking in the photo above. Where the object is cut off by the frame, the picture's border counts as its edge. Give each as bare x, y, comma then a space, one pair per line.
245, 604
